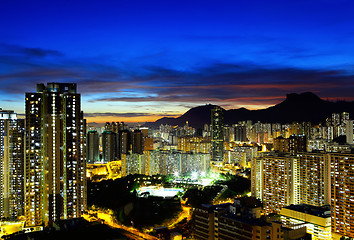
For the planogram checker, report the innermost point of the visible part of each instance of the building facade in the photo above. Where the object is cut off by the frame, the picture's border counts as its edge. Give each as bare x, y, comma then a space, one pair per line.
280, 182
317, 220
109, 146
349, 132
194, 144
257, 177
55, 169
236, 221
137, 141
11, 165
217, 134
164, 162
93, 152
342, 194
314, 178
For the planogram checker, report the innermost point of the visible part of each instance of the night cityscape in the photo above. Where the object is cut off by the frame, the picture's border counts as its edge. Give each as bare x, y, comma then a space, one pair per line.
177, 120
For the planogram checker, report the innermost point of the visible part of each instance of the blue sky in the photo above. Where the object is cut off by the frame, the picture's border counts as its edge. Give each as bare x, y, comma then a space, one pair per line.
141, 60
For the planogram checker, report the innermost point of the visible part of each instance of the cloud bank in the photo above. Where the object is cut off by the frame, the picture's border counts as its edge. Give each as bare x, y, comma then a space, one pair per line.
230, 84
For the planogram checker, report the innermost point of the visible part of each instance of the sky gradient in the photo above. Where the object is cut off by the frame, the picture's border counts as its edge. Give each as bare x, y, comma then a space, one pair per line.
138, 61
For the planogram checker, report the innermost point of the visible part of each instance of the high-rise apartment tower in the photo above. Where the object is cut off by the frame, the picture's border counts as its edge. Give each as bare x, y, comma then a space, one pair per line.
93, 152
217, 134
55, 164
11, 165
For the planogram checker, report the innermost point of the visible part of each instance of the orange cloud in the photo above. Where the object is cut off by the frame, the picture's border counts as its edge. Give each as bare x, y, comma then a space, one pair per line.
103, 119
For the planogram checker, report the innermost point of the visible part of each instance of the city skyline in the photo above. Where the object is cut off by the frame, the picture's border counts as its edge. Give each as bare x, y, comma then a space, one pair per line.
52, 169
138, 61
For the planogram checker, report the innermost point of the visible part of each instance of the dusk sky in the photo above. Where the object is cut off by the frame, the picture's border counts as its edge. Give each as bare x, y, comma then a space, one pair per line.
138, 61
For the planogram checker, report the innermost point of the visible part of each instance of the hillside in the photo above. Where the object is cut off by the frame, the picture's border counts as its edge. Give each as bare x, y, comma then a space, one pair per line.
296, 107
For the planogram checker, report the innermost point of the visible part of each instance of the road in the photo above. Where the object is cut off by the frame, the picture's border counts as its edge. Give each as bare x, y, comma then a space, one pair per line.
108, 219
133, 232
131, 235
186, 213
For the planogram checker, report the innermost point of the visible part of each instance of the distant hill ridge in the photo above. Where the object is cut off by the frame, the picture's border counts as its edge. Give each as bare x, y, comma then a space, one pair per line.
304, 107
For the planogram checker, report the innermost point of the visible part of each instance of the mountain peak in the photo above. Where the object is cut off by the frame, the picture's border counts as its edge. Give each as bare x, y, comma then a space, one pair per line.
302, 97
303, 107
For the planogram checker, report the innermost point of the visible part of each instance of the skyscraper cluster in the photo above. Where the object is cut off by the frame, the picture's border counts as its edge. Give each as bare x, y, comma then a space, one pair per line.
43, 169
115, 140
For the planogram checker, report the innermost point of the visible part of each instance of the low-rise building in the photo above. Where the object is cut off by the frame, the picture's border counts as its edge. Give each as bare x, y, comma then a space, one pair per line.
240, 220
317, 220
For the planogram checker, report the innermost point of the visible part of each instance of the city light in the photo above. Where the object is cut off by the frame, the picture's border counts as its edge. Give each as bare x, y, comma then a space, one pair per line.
182, 120
159, 191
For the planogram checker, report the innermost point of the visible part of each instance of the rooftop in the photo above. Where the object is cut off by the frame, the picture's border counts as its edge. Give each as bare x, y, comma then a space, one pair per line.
323, 211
